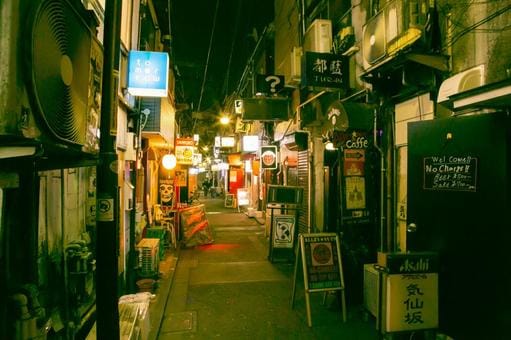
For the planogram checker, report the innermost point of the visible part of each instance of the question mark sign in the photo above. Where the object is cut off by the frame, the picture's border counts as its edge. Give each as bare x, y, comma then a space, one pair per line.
274, 81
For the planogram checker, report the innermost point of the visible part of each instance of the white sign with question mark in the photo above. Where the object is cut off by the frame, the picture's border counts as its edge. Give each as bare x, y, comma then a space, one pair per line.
274, 81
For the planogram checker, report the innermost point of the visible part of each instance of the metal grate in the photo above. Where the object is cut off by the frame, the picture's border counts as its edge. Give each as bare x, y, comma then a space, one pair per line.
303, 181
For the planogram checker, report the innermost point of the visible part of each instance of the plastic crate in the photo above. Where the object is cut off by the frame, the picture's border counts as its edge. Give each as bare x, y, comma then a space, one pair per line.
149, 256
159, 233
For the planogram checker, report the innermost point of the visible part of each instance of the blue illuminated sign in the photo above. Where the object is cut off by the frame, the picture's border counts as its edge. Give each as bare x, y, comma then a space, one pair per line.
148, 73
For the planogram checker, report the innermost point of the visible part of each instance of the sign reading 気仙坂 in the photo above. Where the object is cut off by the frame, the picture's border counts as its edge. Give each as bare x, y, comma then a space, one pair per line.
412, 302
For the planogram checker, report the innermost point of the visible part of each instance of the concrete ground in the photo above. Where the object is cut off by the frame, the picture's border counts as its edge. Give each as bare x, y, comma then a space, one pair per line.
230, 290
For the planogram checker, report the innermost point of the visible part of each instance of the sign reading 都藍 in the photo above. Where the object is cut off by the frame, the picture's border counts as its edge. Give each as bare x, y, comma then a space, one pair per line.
451, 173
269, 157
148, 73
325, 70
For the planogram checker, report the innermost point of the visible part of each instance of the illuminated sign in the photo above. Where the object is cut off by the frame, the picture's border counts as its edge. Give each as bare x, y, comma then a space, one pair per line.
250, 143
269, 157
148, 73
227, 142
185, 149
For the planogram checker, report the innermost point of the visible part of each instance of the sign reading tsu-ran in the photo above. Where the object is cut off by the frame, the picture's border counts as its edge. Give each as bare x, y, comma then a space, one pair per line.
324, 70
148, 73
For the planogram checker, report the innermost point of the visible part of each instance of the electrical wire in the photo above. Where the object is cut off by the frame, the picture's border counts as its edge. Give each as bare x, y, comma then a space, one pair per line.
207, 62
227, 75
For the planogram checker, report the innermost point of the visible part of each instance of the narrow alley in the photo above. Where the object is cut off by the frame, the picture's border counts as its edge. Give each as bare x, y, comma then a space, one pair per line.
230, 290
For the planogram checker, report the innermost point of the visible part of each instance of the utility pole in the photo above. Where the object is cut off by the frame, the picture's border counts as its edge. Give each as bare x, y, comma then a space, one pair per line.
107, 241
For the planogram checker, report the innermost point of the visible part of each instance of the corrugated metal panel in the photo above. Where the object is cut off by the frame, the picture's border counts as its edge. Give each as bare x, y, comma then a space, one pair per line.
303, 181
153, 123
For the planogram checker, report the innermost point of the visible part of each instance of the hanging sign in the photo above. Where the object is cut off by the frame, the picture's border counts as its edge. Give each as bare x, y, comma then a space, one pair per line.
185, 148
269, 84
268, 157
325, 70
320, 254
148, 73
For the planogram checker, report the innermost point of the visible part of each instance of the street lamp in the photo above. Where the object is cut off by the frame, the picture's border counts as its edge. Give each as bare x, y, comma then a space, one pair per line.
224, 120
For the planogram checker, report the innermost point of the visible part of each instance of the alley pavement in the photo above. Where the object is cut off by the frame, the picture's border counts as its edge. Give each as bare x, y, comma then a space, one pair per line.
230, 290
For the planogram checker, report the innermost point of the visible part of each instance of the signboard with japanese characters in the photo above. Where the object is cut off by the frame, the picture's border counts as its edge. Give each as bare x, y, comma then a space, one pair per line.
324, 70
412, 302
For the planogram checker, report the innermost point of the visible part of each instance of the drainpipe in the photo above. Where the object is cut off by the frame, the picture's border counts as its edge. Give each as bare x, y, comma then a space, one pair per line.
382, 182
107, 242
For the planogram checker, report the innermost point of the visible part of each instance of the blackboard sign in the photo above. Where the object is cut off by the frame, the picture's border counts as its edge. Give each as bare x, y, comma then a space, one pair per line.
452, 173
229, 201
320, 254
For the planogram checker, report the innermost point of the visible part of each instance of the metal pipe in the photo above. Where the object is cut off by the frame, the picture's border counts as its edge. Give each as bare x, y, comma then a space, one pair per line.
382, 181
107, 242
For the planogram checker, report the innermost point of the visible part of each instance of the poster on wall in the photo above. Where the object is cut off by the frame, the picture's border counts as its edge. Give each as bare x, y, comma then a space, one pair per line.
355, 192
283, 230
180, 178
354, 162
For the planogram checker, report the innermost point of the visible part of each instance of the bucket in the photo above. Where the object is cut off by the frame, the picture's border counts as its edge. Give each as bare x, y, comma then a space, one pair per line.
145, 285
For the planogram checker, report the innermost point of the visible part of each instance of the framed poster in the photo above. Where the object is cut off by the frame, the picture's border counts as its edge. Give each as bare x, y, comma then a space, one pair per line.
283, 231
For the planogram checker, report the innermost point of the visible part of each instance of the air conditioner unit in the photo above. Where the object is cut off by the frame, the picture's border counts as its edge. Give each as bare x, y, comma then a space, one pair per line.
461, 82
51, 76
318, 37
296, 66
399, 25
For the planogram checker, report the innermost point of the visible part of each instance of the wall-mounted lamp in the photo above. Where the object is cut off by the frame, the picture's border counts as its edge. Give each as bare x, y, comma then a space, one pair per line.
329, 146
169, 161
224, 120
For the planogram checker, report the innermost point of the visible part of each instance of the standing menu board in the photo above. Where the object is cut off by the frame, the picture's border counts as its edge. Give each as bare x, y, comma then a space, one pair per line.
320, 255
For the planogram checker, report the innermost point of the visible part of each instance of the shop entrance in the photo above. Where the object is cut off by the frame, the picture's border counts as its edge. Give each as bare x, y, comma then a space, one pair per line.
458, 205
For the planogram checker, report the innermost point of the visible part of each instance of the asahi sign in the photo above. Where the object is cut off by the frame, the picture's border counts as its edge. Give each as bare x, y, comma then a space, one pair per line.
410, 263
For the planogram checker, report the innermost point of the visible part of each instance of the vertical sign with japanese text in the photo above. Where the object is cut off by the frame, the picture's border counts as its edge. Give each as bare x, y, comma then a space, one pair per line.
412, 302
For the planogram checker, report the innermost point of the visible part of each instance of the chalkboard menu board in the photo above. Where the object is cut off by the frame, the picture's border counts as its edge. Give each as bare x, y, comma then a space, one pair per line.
451, 173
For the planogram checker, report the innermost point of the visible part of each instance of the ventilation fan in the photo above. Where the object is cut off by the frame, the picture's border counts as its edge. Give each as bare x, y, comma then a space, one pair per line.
373, 41
59, 53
